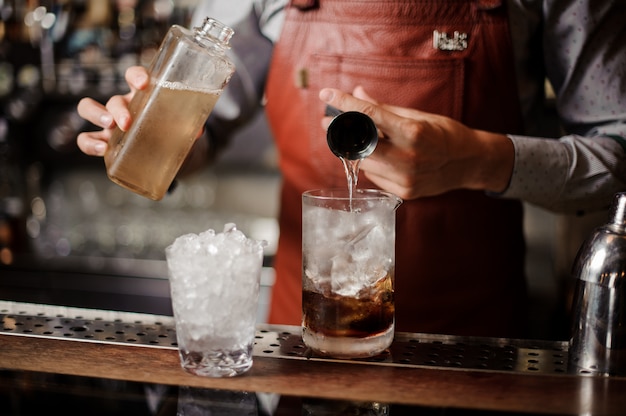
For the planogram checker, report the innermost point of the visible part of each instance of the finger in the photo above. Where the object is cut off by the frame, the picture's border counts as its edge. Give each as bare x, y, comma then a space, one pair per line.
393, 126
117, 106
360, 93
137, 77
384, 177
94, 112
347, 102
386, 183
383, 162
93, 143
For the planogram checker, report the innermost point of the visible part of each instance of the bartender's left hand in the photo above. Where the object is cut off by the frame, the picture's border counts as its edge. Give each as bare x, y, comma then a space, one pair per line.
422, 154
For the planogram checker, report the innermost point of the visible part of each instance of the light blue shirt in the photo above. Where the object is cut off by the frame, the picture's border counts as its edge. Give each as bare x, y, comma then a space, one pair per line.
578, 46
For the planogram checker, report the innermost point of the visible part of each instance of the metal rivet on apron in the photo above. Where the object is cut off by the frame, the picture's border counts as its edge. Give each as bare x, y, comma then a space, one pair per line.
442, 42
301, 78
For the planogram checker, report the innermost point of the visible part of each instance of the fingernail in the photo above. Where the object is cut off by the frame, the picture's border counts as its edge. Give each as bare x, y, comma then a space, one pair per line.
106, 120
326, 95
141, 78
100, 148
123, 122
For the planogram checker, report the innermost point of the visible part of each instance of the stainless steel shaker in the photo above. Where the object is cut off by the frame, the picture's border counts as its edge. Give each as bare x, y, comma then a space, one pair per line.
598, 337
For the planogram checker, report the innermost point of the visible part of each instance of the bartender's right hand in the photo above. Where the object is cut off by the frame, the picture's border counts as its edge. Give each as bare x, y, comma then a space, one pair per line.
115, 113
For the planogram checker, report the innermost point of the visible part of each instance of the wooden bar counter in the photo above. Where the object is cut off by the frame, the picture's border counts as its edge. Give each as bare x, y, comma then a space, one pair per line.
421, 373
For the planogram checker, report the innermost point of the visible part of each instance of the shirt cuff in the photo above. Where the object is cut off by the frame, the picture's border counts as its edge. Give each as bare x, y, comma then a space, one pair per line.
540, 170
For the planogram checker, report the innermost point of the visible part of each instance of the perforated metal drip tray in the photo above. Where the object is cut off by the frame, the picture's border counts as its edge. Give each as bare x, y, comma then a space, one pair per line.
285, 342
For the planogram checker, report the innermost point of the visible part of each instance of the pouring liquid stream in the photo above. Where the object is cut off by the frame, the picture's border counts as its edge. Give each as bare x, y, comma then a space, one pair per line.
351, 136
351, 167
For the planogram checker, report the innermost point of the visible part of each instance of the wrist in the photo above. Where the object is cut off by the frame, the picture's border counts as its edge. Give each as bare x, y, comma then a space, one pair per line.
495, 165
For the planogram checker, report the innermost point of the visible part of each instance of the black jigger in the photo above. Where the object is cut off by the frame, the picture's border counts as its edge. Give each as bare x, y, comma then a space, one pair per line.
352, 135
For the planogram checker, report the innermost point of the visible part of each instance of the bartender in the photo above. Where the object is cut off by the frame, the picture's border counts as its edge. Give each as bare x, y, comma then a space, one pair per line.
456, 89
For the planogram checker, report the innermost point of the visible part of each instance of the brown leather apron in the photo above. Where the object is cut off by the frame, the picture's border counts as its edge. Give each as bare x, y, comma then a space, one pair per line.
460, 255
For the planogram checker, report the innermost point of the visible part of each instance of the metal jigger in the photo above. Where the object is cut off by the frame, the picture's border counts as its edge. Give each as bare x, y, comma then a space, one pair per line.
598, 338
352, 135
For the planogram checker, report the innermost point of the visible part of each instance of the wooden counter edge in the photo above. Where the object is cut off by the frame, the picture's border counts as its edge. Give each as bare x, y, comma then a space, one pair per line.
546, 394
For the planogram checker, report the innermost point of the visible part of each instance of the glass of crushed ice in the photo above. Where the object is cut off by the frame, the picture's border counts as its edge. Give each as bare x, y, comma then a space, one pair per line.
348, 253
214, 283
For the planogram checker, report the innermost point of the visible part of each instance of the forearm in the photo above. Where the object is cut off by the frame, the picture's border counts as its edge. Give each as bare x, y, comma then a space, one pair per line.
241, 100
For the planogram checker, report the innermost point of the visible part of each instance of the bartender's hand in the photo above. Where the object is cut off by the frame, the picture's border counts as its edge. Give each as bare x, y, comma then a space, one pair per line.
421, 154
115, 113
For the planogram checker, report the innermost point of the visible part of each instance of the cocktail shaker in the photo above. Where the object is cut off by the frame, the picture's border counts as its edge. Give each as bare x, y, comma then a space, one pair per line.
187, 76
598, 333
